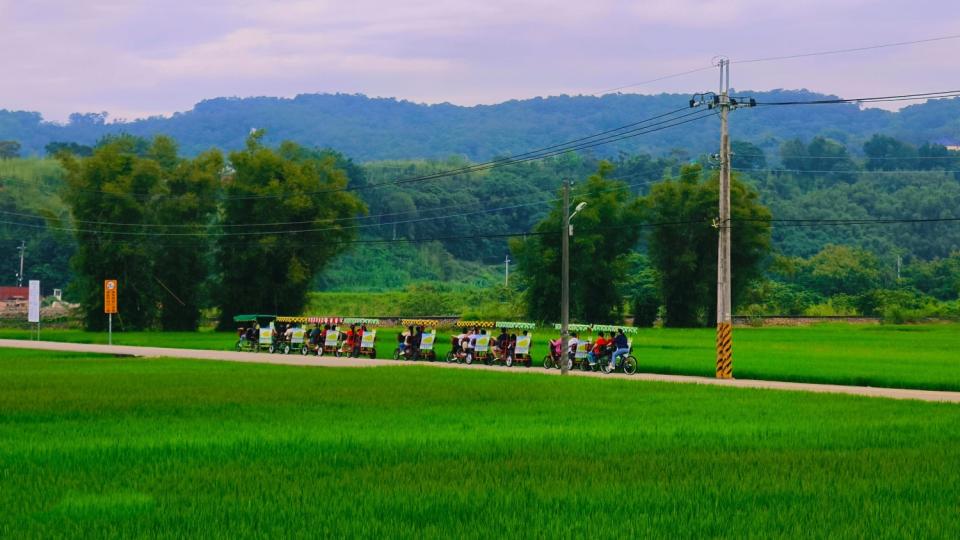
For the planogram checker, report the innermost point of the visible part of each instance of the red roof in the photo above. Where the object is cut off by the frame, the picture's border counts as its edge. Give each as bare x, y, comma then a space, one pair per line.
9, 293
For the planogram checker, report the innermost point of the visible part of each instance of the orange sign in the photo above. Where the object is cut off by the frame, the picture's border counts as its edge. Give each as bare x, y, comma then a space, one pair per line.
110, 296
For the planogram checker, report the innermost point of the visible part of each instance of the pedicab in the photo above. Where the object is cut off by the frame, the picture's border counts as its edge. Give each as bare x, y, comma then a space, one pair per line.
248, 339
579, 358
480, 342
333, 339
421, 348
368, 337
518, 350
628, 362
297, 336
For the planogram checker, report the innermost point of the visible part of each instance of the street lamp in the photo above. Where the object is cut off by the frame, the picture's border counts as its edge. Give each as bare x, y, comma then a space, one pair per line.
565, 285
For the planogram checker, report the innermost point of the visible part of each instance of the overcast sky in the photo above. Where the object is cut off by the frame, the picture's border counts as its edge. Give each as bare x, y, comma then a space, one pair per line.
137, 59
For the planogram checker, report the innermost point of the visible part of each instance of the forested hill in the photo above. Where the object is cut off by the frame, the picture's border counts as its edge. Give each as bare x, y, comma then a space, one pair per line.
369, 129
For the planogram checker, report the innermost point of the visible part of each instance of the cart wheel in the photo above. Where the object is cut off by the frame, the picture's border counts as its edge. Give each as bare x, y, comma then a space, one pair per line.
373, 354
509, 361
396, 354
338, 354
256, 347
629, 365
547, 362
304, 350
468, 360
286, 349
606, 366
272, 349
451, 357
239, 346
585, 365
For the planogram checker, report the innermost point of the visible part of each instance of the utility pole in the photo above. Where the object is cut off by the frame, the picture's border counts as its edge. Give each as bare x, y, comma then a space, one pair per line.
899, 262
22, 248
725, 103
506, 271
724, 309
565, 281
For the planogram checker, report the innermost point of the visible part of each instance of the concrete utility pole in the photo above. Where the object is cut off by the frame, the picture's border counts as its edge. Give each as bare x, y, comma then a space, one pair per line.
565, 281
724, 308
725, 103
506, 271
22, 248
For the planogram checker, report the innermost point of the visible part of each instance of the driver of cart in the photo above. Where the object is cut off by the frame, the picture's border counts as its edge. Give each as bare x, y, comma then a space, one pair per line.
598, 347
288, 334
572, 343
350, 336
503, 342
407, 339
465, 341
315, 334
621, 344
417, 338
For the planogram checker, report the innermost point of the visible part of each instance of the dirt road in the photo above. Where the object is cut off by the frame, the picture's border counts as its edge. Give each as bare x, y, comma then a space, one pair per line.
298, 360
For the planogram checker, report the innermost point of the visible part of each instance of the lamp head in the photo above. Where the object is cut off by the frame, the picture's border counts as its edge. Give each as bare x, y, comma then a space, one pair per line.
581, 206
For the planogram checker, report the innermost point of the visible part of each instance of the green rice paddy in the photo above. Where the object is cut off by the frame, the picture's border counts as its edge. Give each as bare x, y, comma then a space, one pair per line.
104, 447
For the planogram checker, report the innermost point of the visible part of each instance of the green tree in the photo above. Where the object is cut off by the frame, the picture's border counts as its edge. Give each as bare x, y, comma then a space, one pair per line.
842, 269
747, 156
683, 243
9, 149
605, 232
887, 154
185, 205
111, 187
268, 269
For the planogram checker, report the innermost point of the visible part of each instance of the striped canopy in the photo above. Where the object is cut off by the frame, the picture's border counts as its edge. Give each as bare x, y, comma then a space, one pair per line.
478, 324
419, 322
325, 320
519, 325
292, 319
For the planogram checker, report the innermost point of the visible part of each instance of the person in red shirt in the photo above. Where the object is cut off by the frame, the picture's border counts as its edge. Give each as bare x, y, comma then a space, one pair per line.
598, 346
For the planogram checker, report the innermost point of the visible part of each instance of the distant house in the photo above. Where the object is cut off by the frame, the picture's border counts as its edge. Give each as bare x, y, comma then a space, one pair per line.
13, 293
950, 144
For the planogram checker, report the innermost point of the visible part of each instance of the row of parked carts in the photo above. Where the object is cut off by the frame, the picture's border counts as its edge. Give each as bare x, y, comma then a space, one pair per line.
506, 343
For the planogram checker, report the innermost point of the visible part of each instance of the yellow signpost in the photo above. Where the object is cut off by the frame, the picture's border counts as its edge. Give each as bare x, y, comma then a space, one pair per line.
110, 305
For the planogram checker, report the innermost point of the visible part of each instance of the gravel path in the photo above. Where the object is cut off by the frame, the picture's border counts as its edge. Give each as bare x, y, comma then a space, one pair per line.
299, 360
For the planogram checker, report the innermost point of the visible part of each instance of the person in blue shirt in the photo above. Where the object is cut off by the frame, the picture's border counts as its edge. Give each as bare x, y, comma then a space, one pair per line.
621, 347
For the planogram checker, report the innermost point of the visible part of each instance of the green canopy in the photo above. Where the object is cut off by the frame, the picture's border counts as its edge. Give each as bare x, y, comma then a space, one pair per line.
574, 327
253, 318
614, 328
519, 325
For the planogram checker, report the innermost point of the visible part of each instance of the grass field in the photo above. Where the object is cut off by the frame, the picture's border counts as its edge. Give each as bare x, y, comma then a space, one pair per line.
107, 448
910, 356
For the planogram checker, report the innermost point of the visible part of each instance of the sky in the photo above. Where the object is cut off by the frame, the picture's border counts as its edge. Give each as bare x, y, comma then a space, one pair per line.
136, 59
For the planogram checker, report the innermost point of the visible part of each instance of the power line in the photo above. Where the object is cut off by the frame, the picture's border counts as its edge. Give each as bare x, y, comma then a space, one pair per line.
901, 97
853, 171
282, 232
845, 51
649, 81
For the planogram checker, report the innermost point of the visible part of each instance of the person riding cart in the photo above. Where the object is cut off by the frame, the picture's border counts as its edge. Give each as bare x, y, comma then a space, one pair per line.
514, 348
249, 331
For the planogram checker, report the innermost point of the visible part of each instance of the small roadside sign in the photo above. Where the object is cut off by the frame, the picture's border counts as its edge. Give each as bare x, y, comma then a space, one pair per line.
110, 296
33, 308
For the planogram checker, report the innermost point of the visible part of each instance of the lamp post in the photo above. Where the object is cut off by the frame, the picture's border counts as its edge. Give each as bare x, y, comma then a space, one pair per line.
565, 285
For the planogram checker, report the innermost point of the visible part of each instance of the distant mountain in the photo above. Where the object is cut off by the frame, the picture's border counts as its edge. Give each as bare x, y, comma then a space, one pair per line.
368, 129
